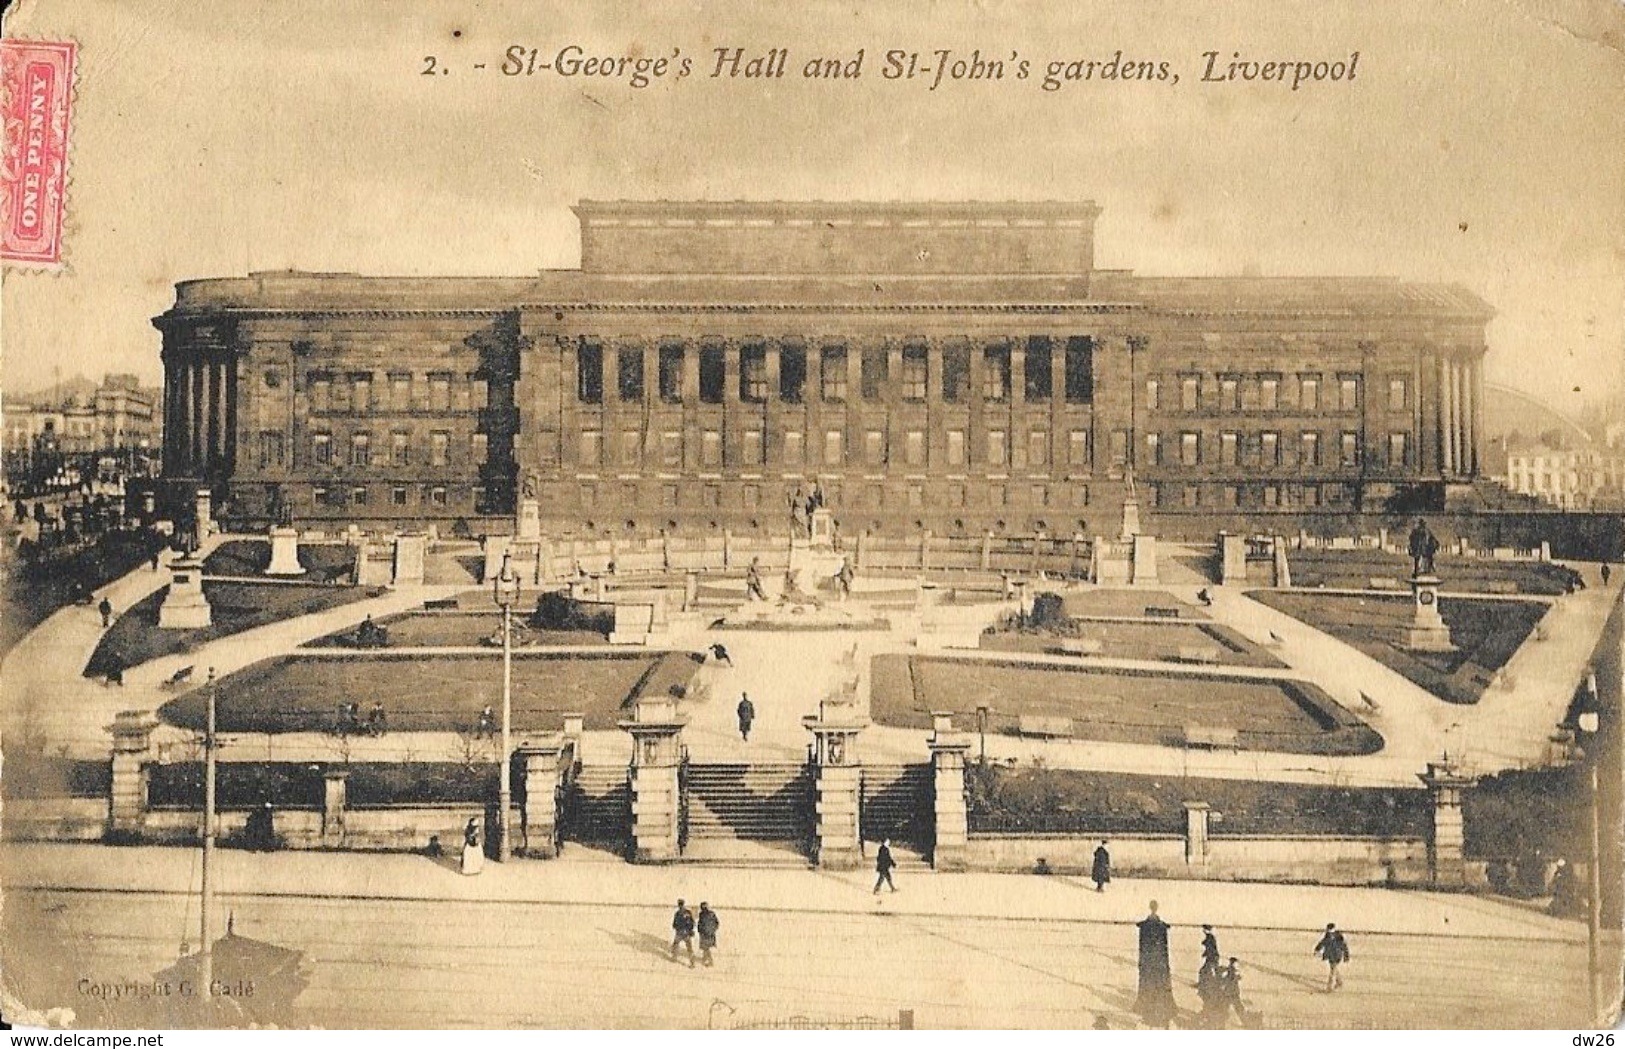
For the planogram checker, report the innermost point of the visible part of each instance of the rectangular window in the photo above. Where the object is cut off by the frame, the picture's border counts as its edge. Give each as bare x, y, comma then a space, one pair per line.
321, 392
872, 496
340, 394
1153, 395
1080, 370
397, 495
321, 448
631, 447
358, 495
995, 495
1348, 393
711, 449
916, 496
1190, 496
1038, 448
400, 448
1397, 444
1039, 495
795, 447
874, 372
437, 496
479, 393
996, 373
1349, 449
400, 391
750, 447
440, 392
1397, 399
955, 374
590, 373
318, 495
1231, 496
1229, 448
753, 492
1309, 393
1269, 392
1038, 369
1229, 393
997, 450
1077, 447
874, 447
832, 373
914, 373
792, 374
592, 448
671, 374
1309, 448
1311, 495
1190, 448
956, 495
753, 374
1190, 390
1080, 495
713, 374
832, 448
671, 448
1119, 447
361, 391
439, 442
713, 496
270, 449
914, 448
629, 374
1269, 448
1153, 449
1272, 495
478, 447
956, 447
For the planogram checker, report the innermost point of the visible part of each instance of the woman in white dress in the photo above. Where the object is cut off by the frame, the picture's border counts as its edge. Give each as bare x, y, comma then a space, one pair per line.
473, 852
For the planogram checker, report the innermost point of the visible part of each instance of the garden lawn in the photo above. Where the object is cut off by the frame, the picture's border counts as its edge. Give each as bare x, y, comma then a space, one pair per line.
136, 638
449, 629
1122, 706
1486, 633
435, 693
1154, 641
323, 562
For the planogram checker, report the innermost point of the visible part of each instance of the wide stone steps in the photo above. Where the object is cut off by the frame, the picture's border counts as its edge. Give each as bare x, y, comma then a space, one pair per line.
896, 803
753, 802
599, 805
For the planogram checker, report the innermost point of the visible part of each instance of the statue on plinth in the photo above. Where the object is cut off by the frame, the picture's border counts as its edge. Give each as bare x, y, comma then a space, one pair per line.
1424, 546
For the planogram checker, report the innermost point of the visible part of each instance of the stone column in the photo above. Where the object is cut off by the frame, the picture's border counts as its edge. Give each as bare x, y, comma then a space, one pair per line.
194, 415
691, 410
335, 798
657, 752
948, 752
1478, 412
1447, 462
1197, 814
548, 764
222, 411
1446, 864
837, 843
132, 752
1018, 383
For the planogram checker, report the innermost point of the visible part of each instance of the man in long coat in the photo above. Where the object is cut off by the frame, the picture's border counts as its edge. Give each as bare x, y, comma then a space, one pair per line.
708, 925
1155, 1002
1101, 873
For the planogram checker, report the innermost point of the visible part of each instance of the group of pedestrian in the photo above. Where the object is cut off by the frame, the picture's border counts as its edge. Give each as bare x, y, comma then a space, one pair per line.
1218, 985
685, 923
351, 722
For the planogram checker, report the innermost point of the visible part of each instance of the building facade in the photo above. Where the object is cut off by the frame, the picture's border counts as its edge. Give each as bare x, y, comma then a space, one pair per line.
1588, 477
955, 367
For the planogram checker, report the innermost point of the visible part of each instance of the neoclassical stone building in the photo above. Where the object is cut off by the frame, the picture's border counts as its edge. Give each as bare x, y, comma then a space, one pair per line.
961, 367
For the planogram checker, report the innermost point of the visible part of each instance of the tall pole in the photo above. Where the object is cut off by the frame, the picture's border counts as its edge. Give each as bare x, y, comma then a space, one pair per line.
504, 784
206, 957
1594, 930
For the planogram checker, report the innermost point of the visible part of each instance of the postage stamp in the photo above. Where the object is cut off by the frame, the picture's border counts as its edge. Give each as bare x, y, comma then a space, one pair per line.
37, 99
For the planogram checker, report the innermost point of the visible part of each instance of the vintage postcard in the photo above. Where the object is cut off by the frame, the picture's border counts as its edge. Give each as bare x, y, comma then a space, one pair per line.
824, 516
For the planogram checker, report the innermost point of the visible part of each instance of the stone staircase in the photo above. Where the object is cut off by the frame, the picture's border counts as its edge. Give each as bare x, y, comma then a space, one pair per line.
751, 802
599, 805
897, 804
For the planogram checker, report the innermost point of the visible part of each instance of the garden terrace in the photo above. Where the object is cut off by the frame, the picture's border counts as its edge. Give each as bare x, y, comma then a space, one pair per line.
136, 638
1366, 569
451, 628
1169, 642
1120, 706
299, 785
1123, 604
322, 562
1006, 800
441, 693
1486, 633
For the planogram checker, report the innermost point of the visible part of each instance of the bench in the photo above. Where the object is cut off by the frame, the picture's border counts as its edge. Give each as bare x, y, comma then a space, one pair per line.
1081, 646
1048, 727
1381, 582
1211, 737
1161, 612
1199, 654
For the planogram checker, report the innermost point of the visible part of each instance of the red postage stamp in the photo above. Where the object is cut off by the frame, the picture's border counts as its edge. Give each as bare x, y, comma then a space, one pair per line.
36, 79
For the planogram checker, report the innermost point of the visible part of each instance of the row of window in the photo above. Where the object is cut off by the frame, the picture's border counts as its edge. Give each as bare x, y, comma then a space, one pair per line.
864, 497
1270, 391
362, 453
833, 377
357, 392
1268, 448
877, 448
397, 496
1233, 496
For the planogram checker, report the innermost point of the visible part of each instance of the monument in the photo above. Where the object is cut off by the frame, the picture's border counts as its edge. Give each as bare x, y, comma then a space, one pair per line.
1131, 511
284, 539
529, 525
185, 607
1427, 632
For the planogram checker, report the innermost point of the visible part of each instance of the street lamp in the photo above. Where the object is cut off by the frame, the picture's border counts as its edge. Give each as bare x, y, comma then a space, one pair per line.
505, 591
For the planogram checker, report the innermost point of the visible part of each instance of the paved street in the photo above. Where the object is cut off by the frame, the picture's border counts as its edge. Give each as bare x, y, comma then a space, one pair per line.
583, 941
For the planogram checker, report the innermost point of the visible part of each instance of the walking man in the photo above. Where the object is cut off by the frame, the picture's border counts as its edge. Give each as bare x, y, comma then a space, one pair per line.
1102, 871
1335, 951
708, 925
753, 581
747, 714
487, 724
682, 932
1155, 1002
884, 865
1230, 994
106, 609
375, 718
1606, 573
1210, 949
720, 653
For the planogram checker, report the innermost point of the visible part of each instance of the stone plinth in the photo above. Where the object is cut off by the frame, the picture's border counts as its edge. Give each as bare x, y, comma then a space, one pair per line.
835, 728
1232, 559
548, 763
1143, 568
285, 553
410, 550
1197, 814
203, 513
1427, 632
185, 607
821, 529
633, 624
657, 752
132, 751
1131, 517
335, 799
948, 752
494, 548
529, 524
1446, 784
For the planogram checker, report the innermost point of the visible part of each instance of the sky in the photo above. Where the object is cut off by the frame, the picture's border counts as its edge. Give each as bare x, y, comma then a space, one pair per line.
1480, 142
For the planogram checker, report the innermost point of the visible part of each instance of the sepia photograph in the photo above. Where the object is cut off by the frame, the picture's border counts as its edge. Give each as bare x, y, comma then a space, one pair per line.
731, 516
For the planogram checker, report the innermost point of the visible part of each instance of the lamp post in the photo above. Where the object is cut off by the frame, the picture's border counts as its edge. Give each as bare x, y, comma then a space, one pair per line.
1589, 722
505, 591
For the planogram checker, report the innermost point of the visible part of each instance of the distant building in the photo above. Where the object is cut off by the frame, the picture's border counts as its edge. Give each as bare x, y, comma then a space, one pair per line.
1588, 477
959, 367
119, 415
